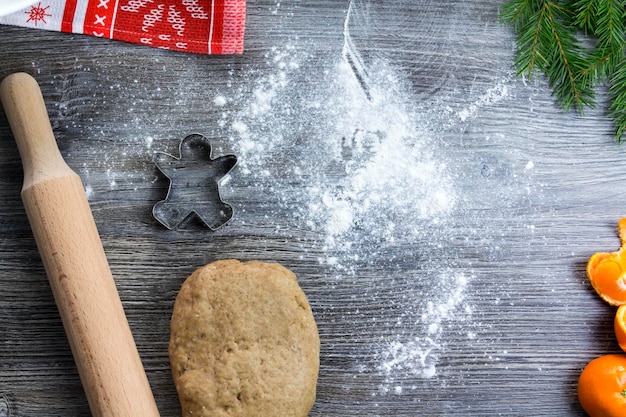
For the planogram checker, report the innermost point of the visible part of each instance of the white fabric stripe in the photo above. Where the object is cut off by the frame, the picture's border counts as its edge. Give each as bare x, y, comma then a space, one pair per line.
113, 19
79, 16
211, 26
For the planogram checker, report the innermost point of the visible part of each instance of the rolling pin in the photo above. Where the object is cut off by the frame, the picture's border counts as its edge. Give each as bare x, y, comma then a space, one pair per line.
106, 356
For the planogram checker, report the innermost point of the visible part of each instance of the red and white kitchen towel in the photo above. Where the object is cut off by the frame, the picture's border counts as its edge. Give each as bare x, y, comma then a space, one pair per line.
197, 26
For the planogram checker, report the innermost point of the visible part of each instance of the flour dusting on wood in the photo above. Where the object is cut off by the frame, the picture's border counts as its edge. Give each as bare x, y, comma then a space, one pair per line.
359, 164
374, 183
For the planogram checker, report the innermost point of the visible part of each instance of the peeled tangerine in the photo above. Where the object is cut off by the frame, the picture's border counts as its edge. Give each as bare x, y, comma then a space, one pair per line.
607, 271
602, 384
620, 326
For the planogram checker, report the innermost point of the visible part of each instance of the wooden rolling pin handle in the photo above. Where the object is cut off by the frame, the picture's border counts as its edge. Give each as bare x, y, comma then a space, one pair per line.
93, 317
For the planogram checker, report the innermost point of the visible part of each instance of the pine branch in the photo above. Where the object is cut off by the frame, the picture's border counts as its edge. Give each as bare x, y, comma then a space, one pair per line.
567, 62
586, 14
530, 51
518, 12
609, 30
549, 41
610, 26
617, 93
546, 42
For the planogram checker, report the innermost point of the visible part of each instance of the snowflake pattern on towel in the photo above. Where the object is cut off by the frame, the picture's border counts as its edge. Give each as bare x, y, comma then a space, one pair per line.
197, 26
38, 14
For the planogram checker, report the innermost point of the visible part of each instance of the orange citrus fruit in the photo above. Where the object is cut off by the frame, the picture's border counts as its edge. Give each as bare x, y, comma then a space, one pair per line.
620, 326
607, 271
602, 387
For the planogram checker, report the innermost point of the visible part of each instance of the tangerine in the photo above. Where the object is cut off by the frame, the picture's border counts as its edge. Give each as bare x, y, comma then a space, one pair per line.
620, 326
602, 386
607, 271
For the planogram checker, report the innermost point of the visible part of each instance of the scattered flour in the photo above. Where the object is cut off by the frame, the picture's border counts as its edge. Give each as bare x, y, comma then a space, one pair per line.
374, 183
89, 191
491, 96
418, 355
220, 101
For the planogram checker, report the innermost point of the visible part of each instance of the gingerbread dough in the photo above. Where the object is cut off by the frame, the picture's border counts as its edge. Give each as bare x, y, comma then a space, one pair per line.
244, 342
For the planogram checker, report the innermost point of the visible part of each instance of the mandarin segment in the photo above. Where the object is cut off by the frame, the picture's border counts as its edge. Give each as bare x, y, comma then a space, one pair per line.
620, 327
607, 271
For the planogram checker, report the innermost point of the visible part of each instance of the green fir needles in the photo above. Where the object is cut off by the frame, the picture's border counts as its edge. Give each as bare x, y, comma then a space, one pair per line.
576, 44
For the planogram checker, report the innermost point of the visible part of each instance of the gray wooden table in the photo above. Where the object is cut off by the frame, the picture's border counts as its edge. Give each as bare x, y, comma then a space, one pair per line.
440, 227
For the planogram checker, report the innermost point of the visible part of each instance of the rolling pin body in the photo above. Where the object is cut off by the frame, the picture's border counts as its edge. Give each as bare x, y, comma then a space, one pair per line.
67, 238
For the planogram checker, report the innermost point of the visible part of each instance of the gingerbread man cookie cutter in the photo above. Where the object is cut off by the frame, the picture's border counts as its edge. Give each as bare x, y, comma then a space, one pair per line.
194, 178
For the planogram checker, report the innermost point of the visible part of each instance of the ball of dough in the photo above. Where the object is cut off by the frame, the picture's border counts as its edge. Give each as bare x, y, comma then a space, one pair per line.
244, 342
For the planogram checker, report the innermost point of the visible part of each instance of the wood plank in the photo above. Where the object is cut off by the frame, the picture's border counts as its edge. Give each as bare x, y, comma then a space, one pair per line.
527, 194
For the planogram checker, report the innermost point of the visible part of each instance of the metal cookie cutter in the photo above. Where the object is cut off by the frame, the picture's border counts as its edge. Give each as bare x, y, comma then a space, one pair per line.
194, 184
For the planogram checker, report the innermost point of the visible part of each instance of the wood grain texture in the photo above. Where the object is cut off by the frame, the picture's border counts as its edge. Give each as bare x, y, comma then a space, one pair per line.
538, 191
